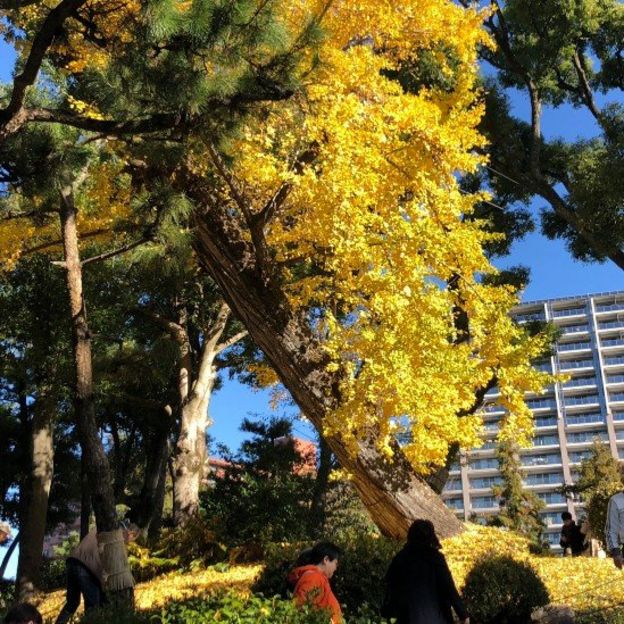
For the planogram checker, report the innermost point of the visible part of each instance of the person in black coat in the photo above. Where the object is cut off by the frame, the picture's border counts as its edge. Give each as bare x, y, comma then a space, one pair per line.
419, 585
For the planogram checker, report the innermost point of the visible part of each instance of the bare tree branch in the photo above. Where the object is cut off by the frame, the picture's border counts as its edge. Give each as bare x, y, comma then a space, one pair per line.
231, 341
116, 252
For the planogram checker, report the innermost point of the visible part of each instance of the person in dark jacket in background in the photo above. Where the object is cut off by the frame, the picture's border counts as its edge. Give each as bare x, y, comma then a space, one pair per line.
419, 585
571, 537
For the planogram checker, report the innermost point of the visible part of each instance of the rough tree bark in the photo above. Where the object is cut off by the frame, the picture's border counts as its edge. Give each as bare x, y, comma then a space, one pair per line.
391, 491
195, 394
149, 507
39, 483
113, 553
195, 390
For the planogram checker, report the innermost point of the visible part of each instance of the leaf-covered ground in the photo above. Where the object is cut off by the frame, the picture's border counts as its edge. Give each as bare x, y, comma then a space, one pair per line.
171, 587
583, 583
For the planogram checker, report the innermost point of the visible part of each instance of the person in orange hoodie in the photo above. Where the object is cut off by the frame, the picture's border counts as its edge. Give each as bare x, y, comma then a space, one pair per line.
310, 579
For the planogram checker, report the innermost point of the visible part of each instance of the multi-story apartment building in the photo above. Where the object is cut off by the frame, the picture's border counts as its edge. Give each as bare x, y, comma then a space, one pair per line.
568, 417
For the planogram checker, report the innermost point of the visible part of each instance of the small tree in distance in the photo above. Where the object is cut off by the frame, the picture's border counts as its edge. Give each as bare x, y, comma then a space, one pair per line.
520, 508
599, 478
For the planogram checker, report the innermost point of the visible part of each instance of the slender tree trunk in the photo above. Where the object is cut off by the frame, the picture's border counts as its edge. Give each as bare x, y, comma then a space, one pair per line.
155, 520
7, 556
40, 481
321, 483
112, 549
85, 499
393, 494
151, 498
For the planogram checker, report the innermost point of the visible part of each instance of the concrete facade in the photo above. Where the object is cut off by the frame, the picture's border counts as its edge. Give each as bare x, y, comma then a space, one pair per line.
568, 416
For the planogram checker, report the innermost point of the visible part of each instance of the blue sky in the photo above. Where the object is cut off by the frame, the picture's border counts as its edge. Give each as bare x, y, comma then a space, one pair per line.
553, 274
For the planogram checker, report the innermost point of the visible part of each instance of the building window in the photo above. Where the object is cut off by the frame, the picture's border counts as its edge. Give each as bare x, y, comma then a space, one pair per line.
483, 502
578, 456
574, 329
584, 418
584, 363
545, 421
540, 403
569, 311
455, 503
484, 464
545, 440
607, 307
552, 498
543, 478
573, 346
452, 484
541, 460
485, 482
586, 436
611, 342
580, 381
581, 399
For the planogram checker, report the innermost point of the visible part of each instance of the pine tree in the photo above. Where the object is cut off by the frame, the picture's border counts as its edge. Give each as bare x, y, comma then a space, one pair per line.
599, 478
520, 508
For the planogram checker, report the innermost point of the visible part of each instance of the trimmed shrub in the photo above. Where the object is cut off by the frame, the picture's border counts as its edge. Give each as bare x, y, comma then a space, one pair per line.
501, 590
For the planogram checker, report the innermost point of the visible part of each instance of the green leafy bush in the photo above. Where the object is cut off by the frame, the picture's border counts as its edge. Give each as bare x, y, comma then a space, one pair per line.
53, 569
146, 565
194, 544
606, 616
358, 582
228, 608
501, 590
7, 595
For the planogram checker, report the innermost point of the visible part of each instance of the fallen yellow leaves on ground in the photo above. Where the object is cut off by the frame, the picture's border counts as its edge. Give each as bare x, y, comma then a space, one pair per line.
174, 586
584, 583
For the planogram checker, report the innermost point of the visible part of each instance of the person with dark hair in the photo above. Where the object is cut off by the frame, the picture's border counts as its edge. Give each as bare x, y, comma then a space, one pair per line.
572, 539
311, 579
23, 613
419, 585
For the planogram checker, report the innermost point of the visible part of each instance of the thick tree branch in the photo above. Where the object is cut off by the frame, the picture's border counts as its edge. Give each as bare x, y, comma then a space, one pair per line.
13, 116
174, 329
586, 93
106, 127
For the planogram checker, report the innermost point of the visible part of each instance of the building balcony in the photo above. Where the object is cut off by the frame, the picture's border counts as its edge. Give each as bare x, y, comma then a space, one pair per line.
570, 312
605, 308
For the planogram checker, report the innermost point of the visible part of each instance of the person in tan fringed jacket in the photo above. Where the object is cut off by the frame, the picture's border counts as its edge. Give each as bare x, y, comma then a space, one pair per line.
85, 575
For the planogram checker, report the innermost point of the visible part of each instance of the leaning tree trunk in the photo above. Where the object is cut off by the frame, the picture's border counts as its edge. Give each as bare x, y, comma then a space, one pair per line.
117, 575
39, 483
393, 494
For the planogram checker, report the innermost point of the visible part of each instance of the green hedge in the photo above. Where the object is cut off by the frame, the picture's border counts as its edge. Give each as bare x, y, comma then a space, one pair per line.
228, 608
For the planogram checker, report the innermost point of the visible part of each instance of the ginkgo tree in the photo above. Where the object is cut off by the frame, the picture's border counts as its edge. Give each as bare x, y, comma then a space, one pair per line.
323, 168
